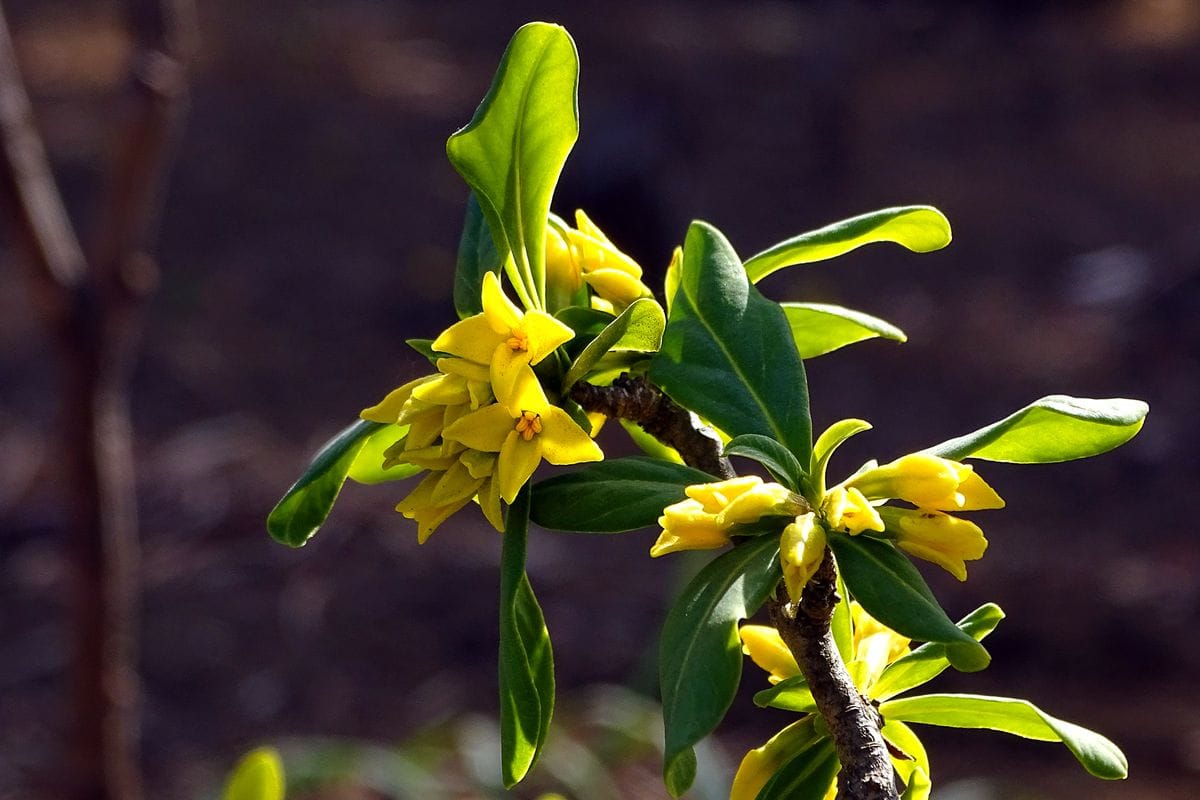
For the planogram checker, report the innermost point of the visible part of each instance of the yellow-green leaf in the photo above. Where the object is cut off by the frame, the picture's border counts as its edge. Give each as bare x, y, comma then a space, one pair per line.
257, 776
819, 328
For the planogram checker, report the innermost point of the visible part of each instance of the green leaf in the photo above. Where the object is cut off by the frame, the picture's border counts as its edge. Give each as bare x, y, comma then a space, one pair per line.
477, 256
807, 776
778, 460
1055, 428
526, 660
425, 348
914, 770
1098, 755
612, 496
650, 445
727, 353
826, 443
929, 660
921, 229
891, 590
513, 150
367, 466
639, 328
257, 776
790, 694
298, 515
700, 653
819, 328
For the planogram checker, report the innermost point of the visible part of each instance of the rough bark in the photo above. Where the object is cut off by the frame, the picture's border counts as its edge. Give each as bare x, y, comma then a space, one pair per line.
853, 723
92, 305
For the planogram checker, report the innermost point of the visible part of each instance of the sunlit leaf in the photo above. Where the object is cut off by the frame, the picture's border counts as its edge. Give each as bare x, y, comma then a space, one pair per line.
727, 353
639, 328
807, 776
929, 660
1055, 428
913, 766
298, 515
612, 496
790, 694
1098, 755
526, 660
367, 466
257, 776
918, 228
700, 653
513, 149
891, 590
829, 440
819, 328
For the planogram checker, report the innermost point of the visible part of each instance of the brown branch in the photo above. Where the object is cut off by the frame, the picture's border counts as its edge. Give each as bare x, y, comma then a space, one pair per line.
853, 722
93, 306
636, 399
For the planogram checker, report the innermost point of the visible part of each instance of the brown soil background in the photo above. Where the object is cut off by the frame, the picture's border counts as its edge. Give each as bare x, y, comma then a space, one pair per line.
310, 228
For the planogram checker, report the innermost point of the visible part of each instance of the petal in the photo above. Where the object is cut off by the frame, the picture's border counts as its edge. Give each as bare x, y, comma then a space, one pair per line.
801, 549
425, 427
472, 339
489, 503
977, 495
480, 465
447, 390
501, 313
506, 371
418, 498
564, 442
616, 286
765, 647
518, 459
388, 409
456, 484
545, 334
471, 370
485, 429
429, 519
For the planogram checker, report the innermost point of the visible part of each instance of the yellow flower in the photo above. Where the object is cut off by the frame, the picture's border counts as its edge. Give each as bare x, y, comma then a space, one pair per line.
927, 481
765, 647
703, 520
503, 337
587, 253
874, 646
801, 548
848, 510
531, 431
945, 540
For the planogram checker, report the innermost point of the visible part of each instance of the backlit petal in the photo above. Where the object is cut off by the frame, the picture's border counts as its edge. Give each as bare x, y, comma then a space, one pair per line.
472, 339
502, 314
519, 457
485, 429
564, 442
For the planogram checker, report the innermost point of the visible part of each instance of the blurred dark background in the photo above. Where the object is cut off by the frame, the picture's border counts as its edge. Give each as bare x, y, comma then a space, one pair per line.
310, 226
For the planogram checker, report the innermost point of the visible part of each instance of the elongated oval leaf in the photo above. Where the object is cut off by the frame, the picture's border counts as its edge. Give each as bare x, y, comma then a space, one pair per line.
778, 460
819, 328
919, 228
612, 496
513, 150
477, 256
298, 515
1055, 428
1098, 755
367, 466
727, 353
929, 660
257, 776
526, 660
913, 768
700, 653
791, 694
891, 590
639, 328
830, 440
807, 776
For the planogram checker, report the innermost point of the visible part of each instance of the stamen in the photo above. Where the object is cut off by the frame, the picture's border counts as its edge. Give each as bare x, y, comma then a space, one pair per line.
518, 341
529, 425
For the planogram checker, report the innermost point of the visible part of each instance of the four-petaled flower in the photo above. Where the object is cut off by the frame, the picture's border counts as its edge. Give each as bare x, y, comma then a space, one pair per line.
704, 519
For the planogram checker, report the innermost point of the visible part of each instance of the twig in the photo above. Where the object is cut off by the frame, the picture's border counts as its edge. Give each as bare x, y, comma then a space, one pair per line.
93, 306
853, 722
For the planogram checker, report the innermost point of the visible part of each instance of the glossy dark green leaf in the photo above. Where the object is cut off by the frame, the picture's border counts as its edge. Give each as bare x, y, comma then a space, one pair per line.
639, 328
818, 328
1098, 755
929, 660
298, 515
791, 694
918, 228
891, 590
513, 149
526, 660
807, 776
727, 353
778, 460
425, 348
477, 256
1055, 428
612, 496
700, 653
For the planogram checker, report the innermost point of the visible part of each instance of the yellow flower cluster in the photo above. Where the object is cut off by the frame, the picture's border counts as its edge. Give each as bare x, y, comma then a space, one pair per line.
585, 255
873, 648
482, 423
703, 520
